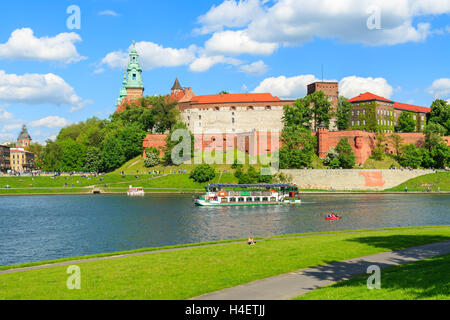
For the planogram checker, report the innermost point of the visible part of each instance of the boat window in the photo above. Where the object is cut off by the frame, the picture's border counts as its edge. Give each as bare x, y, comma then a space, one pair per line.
232, 199
241, 199
249, 199
257, 199
265, 199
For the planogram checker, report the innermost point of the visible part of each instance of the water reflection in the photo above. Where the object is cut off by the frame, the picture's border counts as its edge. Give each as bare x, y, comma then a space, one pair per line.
49, 227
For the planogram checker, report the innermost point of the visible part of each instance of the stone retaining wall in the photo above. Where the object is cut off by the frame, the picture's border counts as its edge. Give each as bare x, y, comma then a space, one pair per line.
352, 179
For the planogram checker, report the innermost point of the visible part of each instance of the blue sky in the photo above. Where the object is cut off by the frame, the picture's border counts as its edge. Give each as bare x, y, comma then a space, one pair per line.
51, 76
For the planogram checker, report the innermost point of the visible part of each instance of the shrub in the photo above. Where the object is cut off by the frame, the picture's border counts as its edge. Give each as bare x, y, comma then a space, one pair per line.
151, 157
203, 173
346, 156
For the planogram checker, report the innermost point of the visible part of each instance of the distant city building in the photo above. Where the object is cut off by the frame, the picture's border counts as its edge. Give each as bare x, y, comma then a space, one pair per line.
5, 158
24, 139
369, 107
132, 84
21, 160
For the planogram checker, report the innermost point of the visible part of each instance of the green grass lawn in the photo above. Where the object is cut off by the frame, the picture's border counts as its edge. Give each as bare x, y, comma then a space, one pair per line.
195, 271
425, 279
433, 181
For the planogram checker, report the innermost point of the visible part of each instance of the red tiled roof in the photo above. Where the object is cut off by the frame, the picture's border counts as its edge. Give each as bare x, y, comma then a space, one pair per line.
235, 97
367, 97
410, 107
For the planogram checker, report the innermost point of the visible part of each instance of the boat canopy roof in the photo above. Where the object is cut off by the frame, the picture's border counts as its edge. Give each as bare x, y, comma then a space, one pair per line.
249, 186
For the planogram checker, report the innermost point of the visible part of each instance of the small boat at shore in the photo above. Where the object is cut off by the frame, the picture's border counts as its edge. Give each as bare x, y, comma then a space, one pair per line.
135, 191
219, 195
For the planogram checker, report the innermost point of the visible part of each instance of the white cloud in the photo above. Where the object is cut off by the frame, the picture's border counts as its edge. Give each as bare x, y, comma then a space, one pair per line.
22, 44
109, 13
350, 87
38, 89
50, 122
236, 43
286, 87
296, 87
294, 22
230, 14
10, 127
440, 88
205, 63
152, 55
5, 115
255, 68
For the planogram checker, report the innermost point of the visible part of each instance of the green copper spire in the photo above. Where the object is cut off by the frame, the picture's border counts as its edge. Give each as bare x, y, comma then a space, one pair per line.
123, 91
134, 70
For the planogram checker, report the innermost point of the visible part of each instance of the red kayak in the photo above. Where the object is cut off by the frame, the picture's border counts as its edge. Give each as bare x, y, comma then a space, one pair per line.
331, 219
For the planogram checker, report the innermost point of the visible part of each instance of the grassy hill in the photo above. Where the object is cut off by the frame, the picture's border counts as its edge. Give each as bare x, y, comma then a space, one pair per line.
433, 181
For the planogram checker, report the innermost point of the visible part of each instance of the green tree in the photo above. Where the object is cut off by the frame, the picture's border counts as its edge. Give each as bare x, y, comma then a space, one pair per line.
344, 113
298, 148
38, 151
346, 156
112, 153
406, 122
411, 156
440, 114
51, 156
73, 156
332, 158
94, 161
380, 147
151, 157
202, 173
396, 141
321, 112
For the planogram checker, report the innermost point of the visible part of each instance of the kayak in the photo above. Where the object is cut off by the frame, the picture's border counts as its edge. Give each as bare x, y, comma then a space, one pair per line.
331, 219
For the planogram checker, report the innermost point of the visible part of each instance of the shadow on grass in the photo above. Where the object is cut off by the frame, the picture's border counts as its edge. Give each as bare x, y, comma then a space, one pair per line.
414, 278
426, 279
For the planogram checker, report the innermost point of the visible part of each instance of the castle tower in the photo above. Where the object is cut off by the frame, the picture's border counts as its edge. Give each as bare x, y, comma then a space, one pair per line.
132, 84
176, 87
24, 139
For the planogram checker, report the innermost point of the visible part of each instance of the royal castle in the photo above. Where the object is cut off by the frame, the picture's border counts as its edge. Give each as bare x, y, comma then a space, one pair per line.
249, 114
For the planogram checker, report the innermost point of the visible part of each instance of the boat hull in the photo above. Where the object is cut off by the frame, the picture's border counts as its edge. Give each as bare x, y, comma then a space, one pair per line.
203, 203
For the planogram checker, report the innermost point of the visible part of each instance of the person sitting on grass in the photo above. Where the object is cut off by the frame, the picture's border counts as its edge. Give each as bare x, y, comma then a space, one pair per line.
250, 241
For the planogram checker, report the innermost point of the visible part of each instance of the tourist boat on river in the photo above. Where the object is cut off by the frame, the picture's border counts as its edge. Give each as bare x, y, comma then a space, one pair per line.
218, 195
135, 191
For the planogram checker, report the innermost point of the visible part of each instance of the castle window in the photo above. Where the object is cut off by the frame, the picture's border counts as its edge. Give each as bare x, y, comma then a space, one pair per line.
250, 108
233, 108
353, 123
217, 108
199, 117
232, 120
268, 107
134, 76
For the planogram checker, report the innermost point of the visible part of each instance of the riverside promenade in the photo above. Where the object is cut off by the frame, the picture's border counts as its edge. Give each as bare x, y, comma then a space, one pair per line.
293, 284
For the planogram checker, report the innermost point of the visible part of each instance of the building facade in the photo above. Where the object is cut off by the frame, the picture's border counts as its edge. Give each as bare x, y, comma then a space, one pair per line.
24, 139
377, 114
21, 160
5, 158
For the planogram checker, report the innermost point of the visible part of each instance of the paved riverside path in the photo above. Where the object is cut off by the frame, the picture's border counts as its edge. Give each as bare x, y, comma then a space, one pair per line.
294, 284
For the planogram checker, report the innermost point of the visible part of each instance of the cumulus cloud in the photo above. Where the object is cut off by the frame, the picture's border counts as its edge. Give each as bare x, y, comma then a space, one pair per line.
440, 88
38, 89
256, 68
10, 127
205, 62
286, 87
50, 122
230, 14
5, 115
238, 42
109, 13
350, 87
296, 87
289, 22
22, 44
152, 56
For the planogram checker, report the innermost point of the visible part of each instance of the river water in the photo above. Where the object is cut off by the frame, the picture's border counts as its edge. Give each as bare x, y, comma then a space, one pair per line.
34, 228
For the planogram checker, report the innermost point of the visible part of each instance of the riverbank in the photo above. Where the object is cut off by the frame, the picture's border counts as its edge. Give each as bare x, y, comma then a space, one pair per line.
438, 182
195, 270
